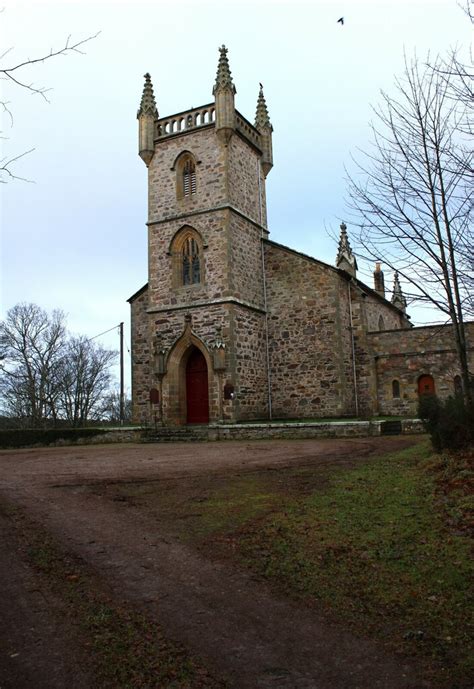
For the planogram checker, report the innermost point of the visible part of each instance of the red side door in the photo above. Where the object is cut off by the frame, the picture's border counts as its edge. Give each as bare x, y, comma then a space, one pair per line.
426, 385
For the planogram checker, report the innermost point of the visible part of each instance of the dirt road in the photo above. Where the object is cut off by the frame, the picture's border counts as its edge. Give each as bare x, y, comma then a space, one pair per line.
232, 621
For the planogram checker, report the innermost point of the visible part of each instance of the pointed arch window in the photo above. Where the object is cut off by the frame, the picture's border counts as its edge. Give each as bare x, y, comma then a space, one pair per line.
187, 257
381, 323
191, 262
189, 178
186, 182
395, 389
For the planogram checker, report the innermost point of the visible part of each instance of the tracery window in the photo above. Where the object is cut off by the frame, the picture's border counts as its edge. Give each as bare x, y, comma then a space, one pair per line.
187, 257
191, 262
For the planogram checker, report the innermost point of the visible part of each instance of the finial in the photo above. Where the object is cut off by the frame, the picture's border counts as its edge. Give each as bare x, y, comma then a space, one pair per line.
148, 103
262, 119
223, 77
398, 299
345, 258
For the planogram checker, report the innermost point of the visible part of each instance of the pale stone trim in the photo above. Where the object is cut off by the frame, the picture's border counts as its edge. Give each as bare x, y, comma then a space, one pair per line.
224, 207
211, 302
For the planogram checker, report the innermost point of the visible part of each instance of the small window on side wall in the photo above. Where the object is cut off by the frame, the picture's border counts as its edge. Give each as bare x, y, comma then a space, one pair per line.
381, 323
457, 386
395, 389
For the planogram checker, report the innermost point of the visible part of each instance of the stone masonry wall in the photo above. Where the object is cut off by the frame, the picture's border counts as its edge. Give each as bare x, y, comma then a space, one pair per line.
406, 355
248, 364
306, 351
366, 311
210, 174
242, 331
245, 250
213, 228
140, 354
246, 191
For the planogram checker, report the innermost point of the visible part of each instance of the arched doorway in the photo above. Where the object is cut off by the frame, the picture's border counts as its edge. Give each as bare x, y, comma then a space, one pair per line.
426, 385
197, 390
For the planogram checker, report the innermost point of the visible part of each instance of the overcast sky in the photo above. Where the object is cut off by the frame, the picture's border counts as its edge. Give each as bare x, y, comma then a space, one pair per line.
75, 238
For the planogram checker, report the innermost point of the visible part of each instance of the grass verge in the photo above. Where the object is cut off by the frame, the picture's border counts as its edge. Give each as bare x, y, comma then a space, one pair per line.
384, 546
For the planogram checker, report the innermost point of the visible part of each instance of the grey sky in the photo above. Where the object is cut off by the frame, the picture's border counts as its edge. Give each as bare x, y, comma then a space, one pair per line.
76, 238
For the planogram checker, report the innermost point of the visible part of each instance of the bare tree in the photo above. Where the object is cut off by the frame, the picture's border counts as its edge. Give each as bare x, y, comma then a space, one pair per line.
85, 379
33, 344
112, 408
16, 74
411, 195
47, 375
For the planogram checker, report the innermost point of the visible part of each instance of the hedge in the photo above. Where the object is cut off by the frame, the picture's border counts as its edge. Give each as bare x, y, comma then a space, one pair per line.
27, 437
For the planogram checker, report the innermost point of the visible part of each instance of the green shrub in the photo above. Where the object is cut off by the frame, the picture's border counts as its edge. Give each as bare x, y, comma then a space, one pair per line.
449, 423
25, 437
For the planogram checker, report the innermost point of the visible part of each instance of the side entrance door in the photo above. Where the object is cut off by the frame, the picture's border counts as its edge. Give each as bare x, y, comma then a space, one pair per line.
426, 385
197, 394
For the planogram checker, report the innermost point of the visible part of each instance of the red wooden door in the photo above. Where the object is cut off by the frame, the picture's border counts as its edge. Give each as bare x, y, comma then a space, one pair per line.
197, 395
426, 385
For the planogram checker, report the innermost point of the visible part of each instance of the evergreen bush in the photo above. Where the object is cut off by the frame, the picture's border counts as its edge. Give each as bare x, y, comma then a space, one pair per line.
450, 424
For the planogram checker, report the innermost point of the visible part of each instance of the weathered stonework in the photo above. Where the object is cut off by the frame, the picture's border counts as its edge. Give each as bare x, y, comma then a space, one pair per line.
404, 357
276, 334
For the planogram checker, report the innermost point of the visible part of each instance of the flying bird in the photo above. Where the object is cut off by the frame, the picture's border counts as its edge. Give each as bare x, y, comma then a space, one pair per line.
341, 21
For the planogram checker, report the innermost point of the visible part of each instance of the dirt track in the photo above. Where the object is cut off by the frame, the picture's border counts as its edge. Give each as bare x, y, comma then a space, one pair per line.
232, 621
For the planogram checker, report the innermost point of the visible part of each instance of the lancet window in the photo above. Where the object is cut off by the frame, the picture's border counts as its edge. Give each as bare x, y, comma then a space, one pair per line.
186, 183
191, 262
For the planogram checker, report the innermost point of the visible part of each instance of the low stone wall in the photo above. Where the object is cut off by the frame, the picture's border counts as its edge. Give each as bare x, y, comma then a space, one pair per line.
333, 429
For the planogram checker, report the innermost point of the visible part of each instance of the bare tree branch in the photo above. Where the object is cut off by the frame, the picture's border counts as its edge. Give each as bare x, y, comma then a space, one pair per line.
411, 193
10, 75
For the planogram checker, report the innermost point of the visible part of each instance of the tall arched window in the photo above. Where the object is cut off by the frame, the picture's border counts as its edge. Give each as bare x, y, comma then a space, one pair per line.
186, 185
186, 251
189, 178
381, 323
191, 262
395, 389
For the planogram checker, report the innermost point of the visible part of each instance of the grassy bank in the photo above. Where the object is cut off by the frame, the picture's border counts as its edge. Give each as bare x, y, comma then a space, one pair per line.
383, 546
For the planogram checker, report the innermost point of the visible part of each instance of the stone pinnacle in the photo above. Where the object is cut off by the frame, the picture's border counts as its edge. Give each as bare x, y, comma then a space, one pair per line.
148, 103
223, 77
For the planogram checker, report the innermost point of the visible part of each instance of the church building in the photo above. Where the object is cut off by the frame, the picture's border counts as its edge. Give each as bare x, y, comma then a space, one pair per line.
232, 326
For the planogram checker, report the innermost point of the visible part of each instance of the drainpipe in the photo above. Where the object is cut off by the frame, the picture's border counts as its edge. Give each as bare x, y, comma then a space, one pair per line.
354, 373
267, 345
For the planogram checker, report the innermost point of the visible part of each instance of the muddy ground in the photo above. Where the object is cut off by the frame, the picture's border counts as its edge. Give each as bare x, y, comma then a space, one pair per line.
242, 632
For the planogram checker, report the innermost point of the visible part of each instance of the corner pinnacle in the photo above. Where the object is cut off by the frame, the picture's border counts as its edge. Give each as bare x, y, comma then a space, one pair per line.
223, 77
148, 103
262, 119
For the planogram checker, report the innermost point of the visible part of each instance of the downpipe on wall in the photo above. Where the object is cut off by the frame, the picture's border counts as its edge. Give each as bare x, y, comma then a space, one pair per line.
267, 344
351, 326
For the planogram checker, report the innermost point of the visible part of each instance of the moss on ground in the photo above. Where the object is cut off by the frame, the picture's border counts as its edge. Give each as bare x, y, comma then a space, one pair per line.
383, 546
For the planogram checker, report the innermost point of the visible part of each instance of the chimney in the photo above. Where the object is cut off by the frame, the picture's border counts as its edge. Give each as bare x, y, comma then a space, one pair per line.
379, 282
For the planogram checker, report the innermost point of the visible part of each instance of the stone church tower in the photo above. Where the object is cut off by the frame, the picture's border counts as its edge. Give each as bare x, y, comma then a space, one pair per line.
232, 326
198, 327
